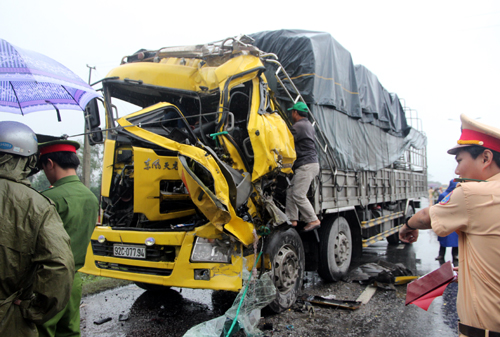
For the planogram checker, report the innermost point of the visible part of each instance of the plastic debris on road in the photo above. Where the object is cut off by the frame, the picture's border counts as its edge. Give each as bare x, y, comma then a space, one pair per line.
260, 293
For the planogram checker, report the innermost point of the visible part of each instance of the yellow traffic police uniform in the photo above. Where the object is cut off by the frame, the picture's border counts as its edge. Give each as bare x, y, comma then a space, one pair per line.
473, 210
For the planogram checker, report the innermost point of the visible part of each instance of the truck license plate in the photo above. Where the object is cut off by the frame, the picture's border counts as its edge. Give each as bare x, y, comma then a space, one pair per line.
129, 251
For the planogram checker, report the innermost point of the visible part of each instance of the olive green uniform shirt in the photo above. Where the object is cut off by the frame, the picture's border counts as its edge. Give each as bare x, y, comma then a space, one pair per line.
78, 208
35, 257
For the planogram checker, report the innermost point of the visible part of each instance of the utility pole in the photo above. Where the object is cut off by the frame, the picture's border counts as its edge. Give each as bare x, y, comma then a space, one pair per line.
86, 148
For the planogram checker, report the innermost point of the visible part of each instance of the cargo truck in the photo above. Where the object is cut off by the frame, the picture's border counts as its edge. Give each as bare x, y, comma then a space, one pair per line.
198, 155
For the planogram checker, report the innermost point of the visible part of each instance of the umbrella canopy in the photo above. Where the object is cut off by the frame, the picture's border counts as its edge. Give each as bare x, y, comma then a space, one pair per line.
30, 81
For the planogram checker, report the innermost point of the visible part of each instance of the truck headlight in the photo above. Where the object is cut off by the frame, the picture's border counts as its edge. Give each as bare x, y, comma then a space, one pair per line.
211, 250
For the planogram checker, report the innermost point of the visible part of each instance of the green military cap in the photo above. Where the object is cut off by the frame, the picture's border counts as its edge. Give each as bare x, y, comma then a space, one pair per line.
60, 145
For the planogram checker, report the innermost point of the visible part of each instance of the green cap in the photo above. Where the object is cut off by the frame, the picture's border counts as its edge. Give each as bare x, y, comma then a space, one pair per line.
299, 106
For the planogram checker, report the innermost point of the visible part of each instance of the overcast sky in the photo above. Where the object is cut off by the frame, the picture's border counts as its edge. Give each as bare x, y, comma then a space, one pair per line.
441, 57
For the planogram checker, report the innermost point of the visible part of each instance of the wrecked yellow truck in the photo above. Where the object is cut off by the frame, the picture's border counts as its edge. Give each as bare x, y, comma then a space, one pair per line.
198, 155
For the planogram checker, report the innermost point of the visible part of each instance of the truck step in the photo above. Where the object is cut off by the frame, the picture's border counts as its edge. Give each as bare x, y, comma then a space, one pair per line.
381, 236
382, 219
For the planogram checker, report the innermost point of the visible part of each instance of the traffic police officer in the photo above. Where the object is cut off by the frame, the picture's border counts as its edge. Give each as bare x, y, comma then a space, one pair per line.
78, 208
473, 210
37, 266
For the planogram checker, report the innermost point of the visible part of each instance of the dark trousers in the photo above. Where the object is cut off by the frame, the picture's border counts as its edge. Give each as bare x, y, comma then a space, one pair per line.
454, 251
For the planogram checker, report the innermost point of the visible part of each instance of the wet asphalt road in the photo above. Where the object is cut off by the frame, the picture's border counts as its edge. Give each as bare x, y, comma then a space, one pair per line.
173, 312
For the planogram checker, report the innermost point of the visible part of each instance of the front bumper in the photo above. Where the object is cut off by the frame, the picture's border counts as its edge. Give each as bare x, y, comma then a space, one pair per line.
167, 262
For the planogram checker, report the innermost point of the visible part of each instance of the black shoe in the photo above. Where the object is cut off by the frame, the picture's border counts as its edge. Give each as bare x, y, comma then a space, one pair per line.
440, 257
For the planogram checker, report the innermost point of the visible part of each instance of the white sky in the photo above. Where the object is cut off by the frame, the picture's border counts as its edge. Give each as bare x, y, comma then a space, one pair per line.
441, 57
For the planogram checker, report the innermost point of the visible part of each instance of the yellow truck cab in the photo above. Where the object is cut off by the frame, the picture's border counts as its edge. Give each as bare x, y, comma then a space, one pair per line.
185, 176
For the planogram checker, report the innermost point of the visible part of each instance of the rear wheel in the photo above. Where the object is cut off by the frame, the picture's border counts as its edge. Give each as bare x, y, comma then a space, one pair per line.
287, 259
335, 249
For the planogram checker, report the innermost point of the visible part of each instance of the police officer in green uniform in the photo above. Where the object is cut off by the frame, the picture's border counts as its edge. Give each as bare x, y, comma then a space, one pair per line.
78, 208
36, 263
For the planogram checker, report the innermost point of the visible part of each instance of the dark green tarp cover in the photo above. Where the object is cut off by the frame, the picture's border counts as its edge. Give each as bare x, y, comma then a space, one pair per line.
365, 125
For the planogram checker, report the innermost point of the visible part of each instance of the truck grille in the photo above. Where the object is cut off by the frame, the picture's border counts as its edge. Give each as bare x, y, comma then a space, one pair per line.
133, 269
155, 253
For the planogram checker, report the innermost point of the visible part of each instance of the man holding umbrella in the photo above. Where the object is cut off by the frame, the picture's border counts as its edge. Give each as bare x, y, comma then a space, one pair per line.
78, 208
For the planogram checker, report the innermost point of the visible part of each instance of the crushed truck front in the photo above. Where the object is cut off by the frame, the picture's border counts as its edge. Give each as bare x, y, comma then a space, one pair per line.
187, 174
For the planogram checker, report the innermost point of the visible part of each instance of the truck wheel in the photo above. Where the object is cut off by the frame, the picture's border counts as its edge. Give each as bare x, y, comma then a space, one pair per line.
335, 250
151, 287
286, 254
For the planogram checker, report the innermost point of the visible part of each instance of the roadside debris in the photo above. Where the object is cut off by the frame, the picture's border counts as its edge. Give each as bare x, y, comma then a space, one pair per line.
367, 294
261, 292
345, 304
400, 280
123, 317
102, 320
382, 274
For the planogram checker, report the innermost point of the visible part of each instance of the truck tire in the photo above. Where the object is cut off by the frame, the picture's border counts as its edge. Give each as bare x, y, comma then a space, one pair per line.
151, 287
286, 254
335, 249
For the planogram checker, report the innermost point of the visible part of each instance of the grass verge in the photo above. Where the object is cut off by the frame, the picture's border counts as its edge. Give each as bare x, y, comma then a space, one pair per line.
95, 284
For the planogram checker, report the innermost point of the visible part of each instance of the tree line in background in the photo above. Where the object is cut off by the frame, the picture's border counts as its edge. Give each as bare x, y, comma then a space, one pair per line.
39, 181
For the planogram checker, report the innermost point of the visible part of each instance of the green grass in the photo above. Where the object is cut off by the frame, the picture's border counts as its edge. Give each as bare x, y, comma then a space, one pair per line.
95, 284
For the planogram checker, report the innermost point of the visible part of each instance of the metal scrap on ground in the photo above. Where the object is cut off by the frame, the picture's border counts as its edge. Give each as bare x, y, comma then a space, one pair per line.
352, 305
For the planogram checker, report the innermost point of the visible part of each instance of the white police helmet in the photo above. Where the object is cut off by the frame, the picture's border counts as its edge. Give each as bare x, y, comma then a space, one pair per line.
17, 138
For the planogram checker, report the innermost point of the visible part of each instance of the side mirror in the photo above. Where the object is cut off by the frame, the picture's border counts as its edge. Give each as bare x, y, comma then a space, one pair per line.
92, 122
92, 119
96, 136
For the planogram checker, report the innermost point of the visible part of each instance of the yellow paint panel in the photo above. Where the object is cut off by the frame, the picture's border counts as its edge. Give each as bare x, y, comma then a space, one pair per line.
107, 166
270, 138
179, 77
237, 65
203, 198
149, 170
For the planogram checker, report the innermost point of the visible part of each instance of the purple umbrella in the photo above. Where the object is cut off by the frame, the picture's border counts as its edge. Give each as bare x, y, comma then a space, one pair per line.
31, 82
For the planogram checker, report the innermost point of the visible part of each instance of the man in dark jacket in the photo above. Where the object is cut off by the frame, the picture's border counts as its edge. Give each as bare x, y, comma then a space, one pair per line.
305, 168
37, 266
78, 208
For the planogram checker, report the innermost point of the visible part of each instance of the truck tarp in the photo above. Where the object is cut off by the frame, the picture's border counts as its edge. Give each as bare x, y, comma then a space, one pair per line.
364, 123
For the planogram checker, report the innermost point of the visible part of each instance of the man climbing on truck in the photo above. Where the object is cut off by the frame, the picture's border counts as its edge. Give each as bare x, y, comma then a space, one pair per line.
305, 168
